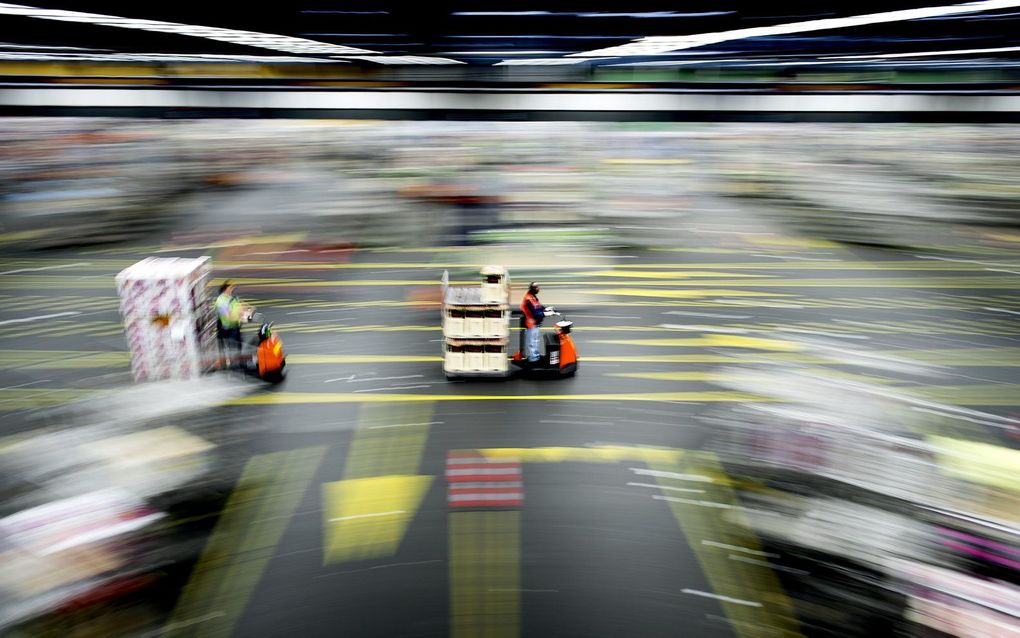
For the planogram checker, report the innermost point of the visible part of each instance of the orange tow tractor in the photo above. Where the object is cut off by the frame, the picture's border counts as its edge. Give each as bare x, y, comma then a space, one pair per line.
558, 356
269, 360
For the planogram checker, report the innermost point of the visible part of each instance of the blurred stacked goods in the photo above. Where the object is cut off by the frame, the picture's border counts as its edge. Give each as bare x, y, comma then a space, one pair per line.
894, 185
101, 504
66, 182
476, 326
882, 510
169, 321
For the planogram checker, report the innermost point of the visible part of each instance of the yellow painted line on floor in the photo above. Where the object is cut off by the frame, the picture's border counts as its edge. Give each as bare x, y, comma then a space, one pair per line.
359, 358
979, 394
302, 398
366, 514
715, 529
711, 341
251, 525
484, 574
797, 242
684, 294
29, 398
652, 358
593, 454
368, 517
663, 274
723, 376
850, 263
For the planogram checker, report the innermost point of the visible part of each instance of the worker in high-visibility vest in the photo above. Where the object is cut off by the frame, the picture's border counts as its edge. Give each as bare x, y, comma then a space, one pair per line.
534, 312
230, 313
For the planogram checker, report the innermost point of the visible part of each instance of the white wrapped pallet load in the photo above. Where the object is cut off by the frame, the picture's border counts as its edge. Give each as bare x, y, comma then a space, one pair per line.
168, 318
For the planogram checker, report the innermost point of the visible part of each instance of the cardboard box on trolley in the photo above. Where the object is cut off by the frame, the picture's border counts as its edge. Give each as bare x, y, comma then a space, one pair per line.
476, 325
169, 320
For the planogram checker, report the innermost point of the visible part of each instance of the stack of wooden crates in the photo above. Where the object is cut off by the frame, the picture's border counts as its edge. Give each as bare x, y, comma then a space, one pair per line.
476, 326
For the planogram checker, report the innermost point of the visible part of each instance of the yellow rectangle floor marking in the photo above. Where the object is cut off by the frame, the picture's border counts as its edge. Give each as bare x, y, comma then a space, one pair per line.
296, 398
484, 555
389, 440
251, 525
367, 517
594, 454
712, 517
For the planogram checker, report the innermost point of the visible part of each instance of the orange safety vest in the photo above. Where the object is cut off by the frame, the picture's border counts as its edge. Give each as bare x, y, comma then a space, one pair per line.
529, 302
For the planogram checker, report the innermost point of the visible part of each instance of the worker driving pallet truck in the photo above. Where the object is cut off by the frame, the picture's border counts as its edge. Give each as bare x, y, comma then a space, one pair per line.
476, 327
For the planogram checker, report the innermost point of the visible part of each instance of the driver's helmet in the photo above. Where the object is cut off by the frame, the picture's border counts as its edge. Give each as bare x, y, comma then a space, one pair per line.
265, 331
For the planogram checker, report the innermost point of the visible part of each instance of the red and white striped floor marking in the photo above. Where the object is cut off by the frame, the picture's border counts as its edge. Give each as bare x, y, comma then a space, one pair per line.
475, 481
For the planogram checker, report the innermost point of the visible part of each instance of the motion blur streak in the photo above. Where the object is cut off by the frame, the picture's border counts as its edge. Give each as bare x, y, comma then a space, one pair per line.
264, 377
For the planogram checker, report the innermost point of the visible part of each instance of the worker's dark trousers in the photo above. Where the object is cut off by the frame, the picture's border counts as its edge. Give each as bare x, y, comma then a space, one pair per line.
230, 341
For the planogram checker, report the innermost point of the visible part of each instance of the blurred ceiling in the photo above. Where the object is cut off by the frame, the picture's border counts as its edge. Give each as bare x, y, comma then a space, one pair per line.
479, 33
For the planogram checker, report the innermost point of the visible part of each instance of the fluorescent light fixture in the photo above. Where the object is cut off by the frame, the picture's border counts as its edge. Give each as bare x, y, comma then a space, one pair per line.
402, 59
920, 54
499, 53
248, 38
501, 13
682, 62
546, 61
347, 12
653, 14
664, 44
161, 57
42, 47
546, 37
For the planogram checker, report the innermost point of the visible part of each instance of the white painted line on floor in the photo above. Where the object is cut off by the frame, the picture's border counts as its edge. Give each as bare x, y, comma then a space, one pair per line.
687, 501
706, 314
12, 272
699, 478
485, 485
695, 592
308, 312
738, 548
1011, 272
667, 487
763, 304
484, 496
840, 335
353, 516
404, 425
1008, 312
278, 252
530, 591
480, 460
603, 317
792, 257
339, 379
406, 376
24, 319
22, 385
395, 387
494, 471
697, 328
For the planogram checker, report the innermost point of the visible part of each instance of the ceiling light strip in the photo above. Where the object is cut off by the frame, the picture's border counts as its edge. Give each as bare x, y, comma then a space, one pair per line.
664, 44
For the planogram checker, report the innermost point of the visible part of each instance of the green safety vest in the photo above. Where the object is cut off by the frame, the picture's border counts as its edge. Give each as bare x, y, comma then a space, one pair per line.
228, 309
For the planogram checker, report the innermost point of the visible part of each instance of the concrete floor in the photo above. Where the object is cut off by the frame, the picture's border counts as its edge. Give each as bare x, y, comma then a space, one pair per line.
591, 552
